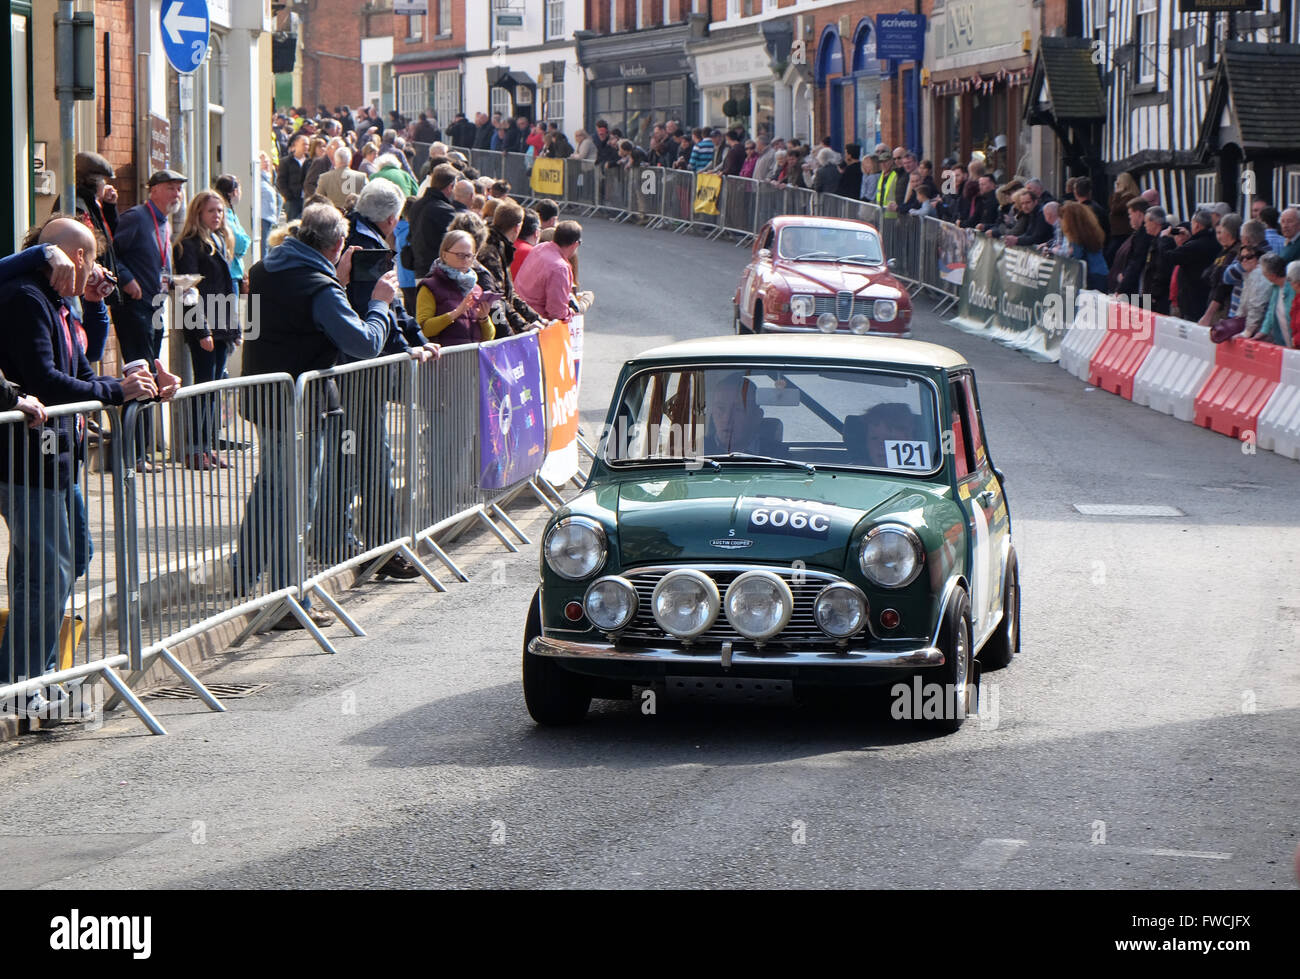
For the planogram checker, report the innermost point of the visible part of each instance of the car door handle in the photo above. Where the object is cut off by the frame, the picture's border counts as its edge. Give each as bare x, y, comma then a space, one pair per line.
986, 498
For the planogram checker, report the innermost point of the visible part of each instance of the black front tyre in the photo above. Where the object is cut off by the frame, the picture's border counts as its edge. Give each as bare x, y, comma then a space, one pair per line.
1004, 644
958, 672
758, 319
554, 696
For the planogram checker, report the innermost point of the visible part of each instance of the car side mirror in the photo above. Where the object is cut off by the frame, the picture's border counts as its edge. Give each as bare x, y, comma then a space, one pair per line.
892, 263
999, 474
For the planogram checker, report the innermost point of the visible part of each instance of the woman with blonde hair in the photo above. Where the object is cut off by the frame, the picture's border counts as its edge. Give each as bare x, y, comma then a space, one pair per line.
1126, 189
449, 306
210, 319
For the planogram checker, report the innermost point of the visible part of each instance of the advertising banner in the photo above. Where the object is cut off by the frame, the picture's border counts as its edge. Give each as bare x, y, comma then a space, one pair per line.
512, 427
548, 177
561, 386
1018, 296
953, 244
707, 188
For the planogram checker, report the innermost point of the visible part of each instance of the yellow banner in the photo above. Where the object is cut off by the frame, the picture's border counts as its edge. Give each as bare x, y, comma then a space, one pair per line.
548, 177
707, 188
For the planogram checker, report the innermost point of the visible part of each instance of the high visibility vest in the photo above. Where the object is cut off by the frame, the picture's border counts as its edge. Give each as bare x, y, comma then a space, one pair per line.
885, 193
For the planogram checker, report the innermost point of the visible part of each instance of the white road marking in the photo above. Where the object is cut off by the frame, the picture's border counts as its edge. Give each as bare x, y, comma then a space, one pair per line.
1128, 510
993, 855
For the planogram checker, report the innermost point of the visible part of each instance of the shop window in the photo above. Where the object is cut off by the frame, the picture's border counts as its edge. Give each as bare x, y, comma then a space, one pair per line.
447, 95
412, 94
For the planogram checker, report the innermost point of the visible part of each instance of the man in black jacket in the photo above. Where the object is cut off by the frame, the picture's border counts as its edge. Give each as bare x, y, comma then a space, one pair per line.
482, 132
1131, 257
1196, 249
517, 139
1083, 194
850, 184
984, 216
1156, 270
292, 175
461, 132
431, 215
39, 494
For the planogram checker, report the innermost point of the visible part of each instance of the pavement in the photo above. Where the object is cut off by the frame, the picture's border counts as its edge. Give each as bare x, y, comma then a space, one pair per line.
1144, 738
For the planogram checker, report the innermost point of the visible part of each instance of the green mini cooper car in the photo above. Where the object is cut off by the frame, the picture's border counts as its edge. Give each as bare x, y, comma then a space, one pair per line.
773, 513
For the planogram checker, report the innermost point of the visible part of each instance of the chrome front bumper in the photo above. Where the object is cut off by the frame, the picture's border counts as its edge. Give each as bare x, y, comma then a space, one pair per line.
725, 658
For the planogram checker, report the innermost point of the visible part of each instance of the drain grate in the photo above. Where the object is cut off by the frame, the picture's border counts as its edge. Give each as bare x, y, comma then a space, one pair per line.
222, 691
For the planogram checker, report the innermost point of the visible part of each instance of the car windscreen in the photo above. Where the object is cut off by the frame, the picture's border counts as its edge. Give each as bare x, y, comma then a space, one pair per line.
829, 244
803, 416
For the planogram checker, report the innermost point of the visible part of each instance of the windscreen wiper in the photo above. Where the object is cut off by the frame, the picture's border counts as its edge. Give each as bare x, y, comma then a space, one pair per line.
807, 467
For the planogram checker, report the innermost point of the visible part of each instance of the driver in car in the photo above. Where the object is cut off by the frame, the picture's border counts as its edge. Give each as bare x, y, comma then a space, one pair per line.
732, 416
886, 423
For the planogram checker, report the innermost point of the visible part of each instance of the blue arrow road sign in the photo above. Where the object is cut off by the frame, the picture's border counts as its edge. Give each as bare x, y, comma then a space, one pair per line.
185, 27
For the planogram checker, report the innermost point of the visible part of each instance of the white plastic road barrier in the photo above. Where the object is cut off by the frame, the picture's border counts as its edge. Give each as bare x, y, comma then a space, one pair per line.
1279, 422
1181, 358
1085, 334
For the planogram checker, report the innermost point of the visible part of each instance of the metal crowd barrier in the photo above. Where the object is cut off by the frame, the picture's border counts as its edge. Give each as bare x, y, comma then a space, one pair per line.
515, 170
645, 194
582, 185
679, 201
446, 450
738, 208
356, 485
612, 197
490, 163
67, 615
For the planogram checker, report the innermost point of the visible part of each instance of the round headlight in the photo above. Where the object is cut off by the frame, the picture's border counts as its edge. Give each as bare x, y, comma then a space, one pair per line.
685, 603
860, 324
575, 547
840, 610
884, 310
610, 603
827, 322
759, 604
891, 555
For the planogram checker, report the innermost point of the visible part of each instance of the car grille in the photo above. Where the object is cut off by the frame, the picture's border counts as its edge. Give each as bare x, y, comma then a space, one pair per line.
802, 629
842, 306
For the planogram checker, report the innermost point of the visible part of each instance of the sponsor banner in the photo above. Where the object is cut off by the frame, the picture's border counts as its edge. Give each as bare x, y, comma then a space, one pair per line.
548, 177
707, 188
561, 386
953, 244
512, 427
1018, 297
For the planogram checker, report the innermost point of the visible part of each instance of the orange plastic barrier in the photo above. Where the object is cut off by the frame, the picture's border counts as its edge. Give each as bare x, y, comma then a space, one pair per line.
1245, 375
1130, 333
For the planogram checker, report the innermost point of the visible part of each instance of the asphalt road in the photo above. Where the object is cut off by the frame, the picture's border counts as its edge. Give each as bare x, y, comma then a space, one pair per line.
1144, 738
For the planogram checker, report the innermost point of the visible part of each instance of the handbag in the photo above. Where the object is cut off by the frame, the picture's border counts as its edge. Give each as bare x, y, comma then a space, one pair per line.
1227, 328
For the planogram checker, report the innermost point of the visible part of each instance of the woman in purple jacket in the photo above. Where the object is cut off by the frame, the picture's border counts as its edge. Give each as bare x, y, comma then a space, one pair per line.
448, 307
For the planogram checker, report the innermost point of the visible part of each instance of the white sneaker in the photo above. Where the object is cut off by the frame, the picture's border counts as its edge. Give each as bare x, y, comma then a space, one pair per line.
37, 706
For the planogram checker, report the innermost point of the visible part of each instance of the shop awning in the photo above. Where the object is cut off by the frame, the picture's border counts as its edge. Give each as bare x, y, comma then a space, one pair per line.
1065, 85
509, 79
1252, 80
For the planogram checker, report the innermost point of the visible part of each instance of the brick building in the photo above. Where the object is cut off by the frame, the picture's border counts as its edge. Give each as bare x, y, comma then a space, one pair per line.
332, 35
428, 60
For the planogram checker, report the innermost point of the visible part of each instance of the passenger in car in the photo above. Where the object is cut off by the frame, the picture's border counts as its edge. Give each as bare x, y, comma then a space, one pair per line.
732, 416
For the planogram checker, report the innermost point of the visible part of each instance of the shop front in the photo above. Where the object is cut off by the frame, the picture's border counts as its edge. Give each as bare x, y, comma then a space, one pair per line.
734, 71
637, 79
979, 70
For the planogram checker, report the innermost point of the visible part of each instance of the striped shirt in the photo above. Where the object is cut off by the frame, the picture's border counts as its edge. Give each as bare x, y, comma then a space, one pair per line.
702, 155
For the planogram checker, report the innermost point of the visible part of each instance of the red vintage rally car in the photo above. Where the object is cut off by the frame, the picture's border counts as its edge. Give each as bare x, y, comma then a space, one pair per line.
816, 274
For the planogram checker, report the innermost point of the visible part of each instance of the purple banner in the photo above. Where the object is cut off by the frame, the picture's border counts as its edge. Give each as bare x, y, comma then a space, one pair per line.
512, 429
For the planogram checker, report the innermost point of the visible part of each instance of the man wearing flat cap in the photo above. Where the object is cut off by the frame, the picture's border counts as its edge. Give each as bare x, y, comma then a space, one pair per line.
143, 247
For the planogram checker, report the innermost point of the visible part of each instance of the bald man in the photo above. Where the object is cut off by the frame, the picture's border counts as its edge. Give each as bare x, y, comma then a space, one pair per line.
462, 195
40, 499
